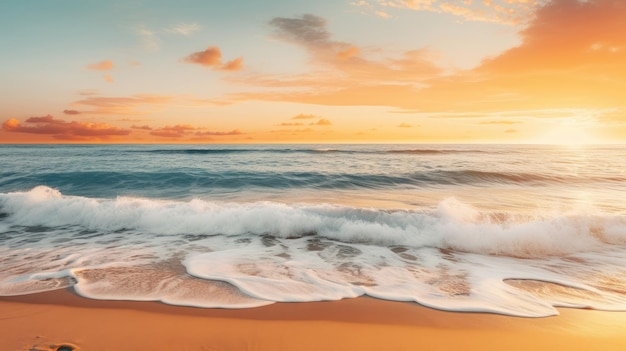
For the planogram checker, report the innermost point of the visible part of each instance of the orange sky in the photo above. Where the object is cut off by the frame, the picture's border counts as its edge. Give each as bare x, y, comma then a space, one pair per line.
430, 71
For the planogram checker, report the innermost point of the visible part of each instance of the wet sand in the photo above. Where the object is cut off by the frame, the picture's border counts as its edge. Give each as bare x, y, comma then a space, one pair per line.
49, 320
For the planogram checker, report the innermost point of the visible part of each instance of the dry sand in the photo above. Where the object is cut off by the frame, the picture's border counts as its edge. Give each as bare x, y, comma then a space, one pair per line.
48, 320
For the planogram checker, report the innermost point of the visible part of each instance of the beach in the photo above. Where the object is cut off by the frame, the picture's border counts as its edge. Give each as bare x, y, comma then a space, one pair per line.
313, 175
46, 321
438, 247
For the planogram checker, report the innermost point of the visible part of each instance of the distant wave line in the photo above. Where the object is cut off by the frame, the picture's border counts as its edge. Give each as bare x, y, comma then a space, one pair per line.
306, 151
100, 183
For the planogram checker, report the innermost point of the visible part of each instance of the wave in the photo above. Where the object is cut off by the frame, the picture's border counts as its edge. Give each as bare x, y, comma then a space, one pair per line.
435, 151
453, 225
195, 181
205, 151
314, 150
244, 151
452, 257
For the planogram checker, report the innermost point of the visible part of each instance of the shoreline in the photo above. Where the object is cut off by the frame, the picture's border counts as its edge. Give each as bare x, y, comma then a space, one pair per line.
45, 321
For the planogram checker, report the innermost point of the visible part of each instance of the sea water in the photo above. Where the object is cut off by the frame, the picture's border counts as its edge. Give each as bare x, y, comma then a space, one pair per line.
516, 230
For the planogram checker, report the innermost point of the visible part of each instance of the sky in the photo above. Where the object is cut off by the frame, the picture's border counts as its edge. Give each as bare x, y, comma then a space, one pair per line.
324, 71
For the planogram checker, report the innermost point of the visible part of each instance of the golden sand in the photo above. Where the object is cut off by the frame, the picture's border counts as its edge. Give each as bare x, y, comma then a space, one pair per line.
47, 321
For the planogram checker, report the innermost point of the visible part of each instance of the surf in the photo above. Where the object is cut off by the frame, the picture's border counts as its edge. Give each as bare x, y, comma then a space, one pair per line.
452, 256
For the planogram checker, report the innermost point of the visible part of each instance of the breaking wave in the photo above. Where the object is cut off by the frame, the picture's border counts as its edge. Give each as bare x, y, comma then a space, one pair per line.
237, 255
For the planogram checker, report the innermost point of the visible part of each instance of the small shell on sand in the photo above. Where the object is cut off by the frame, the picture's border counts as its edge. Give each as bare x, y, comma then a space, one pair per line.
54, 347
66, 347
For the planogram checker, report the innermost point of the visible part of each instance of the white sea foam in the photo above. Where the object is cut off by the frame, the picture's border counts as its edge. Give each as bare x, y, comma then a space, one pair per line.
452, 225
453, 257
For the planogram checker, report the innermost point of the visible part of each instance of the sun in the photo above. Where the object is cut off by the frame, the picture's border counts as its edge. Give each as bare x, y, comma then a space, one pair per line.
571, 131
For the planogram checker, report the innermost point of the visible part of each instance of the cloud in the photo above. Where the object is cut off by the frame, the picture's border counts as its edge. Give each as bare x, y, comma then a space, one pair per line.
135, 105
149, 38
11, 124
303, 116
101, 66
106, 65
404, 125
366, 94
558, 65
135, 120
61, 129
337, 65
501, 11
553, 68
292, 131
212, 57
614, 116
144, 127
348, 53
71, 112
569, 33
511, 131
48, 119
361, 3
176, 131
322, 122
212, 133
306, 30
139, 104
186, 130
412, 4
233, 65
310, 32
554, 113
500, 122
340, 73
184, 29
382, 14
47, 127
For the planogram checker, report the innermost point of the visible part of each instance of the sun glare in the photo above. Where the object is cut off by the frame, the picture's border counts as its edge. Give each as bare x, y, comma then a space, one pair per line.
568, 132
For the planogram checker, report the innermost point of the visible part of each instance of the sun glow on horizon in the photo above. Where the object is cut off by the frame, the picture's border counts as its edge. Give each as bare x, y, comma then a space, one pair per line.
570, 131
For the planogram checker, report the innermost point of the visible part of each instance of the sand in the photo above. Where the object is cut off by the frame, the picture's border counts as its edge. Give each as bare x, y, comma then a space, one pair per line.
47, 321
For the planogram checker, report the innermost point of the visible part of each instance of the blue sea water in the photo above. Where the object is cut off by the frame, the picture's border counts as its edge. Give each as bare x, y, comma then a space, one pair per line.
511, 229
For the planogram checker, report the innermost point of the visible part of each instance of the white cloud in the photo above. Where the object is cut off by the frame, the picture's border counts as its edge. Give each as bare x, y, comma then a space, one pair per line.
184, 28
501, 11
149, 38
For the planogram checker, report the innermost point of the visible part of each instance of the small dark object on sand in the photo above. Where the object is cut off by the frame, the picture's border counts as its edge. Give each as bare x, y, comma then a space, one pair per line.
65, 348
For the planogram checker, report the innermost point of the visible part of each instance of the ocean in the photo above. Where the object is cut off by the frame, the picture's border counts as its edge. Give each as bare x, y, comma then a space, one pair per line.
508, 229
